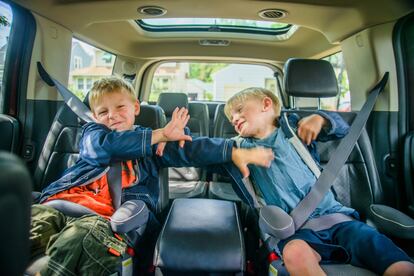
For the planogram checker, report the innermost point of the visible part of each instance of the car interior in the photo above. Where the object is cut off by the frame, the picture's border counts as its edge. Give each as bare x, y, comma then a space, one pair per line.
197, 54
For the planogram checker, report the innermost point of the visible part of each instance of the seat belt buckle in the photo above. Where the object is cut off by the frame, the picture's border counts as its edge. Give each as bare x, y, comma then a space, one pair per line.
28, 151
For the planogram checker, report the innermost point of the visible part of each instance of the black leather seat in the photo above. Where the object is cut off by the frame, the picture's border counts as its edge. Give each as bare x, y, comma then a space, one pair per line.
61, 148
15, 202
357, 184
9, 128
187, 182
61, 151
220, 187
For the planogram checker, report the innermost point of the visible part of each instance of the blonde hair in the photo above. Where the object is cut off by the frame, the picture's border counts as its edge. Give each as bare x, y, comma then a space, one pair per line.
109, 85
252, 93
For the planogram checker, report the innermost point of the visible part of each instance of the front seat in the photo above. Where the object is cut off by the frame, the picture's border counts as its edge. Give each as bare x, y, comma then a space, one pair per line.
186, 182
358, 184
15, 202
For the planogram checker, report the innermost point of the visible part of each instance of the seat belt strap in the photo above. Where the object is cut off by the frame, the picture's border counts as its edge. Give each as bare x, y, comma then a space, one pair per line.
114, 175
246, 181
114, 178
309, 203
77, 106
325, 221
299, 146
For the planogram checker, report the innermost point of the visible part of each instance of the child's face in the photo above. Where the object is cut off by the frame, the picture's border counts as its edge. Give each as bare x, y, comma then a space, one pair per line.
116, 110
250, 117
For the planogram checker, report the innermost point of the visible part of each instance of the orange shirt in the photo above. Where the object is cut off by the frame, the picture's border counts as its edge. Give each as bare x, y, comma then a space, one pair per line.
95, 195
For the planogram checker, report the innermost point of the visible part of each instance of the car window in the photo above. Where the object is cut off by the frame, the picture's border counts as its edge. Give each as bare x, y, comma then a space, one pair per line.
6, 18
209, 81
88, 64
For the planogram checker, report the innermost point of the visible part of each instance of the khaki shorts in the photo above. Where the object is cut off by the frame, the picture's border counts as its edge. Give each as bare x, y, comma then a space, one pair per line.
76, 246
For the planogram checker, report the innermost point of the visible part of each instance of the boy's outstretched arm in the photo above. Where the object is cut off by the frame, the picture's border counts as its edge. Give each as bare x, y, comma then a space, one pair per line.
205, 151
255, 156
99, 145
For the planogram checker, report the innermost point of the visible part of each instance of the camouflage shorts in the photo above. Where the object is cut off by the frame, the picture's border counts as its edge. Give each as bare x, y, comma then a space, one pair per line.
76, 246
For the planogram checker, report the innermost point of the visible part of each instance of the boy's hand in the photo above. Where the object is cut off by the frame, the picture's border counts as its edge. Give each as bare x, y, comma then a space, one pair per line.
174, 130
256, 156
310, 127
160, 148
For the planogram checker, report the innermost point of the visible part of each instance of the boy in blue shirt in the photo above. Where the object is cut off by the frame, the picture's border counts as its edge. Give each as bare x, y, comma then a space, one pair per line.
255, 114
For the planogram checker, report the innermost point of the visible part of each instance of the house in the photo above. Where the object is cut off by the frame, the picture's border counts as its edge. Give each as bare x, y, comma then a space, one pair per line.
236, 77
87, 67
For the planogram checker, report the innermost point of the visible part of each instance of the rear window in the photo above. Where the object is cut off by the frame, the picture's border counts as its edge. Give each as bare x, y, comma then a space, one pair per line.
88, 64
209, 81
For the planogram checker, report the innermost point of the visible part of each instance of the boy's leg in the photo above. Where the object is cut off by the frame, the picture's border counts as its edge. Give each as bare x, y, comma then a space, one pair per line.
45, 223
370, 249
86, 246
400, 269
301, 259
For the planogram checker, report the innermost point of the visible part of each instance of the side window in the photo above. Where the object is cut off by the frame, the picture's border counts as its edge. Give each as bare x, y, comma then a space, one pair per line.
209, 81
6, 18
340, 103
343, 101
88, 64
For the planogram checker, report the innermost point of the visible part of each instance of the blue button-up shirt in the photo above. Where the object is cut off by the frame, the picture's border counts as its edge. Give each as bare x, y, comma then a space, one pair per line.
288, 180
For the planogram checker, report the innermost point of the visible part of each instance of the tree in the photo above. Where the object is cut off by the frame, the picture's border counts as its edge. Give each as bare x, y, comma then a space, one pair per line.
4, 21
203, 71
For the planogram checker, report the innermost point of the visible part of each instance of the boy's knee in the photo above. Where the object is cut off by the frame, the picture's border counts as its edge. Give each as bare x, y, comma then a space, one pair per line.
400, 268
298, 252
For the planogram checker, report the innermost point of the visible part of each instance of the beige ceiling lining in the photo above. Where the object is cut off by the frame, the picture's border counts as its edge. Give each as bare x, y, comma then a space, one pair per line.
109, 24
126, 43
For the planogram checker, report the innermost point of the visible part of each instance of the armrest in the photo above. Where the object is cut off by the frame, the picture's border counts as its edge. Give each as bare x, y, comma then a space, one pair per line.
391, 222
129, 216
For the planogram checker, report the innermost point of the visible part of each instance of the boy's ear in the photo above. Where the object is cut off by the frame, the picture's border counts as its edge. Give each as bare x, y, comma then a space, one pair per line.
267, 104
137, 108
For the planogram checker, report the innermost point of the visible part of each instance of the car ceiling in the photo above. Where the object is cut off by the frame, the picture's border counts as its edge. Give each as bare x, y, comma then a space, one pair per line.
322, 25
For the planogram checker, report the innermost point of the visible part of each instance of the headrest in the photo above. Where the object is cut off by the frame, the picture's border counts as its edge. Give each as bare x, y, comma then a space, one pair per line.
310, 78
169, 101
151, 116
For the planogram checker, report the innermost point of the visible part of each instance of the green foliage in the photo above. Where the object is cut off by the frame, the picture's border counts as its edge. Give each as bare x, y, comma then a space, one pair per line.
208, 96
80, 94
339, 66
3, 21
203, 71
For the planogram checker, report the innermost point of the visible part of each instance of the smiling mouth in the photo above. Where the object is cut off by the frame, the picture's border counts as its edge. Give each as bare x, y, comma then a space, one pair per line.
115, 124
239, 126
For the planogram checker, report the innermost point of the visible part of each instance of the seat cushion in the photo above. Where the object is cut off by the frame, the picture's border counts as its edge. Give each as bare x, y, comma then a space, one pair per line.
343, 269
222, 190
187, 189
